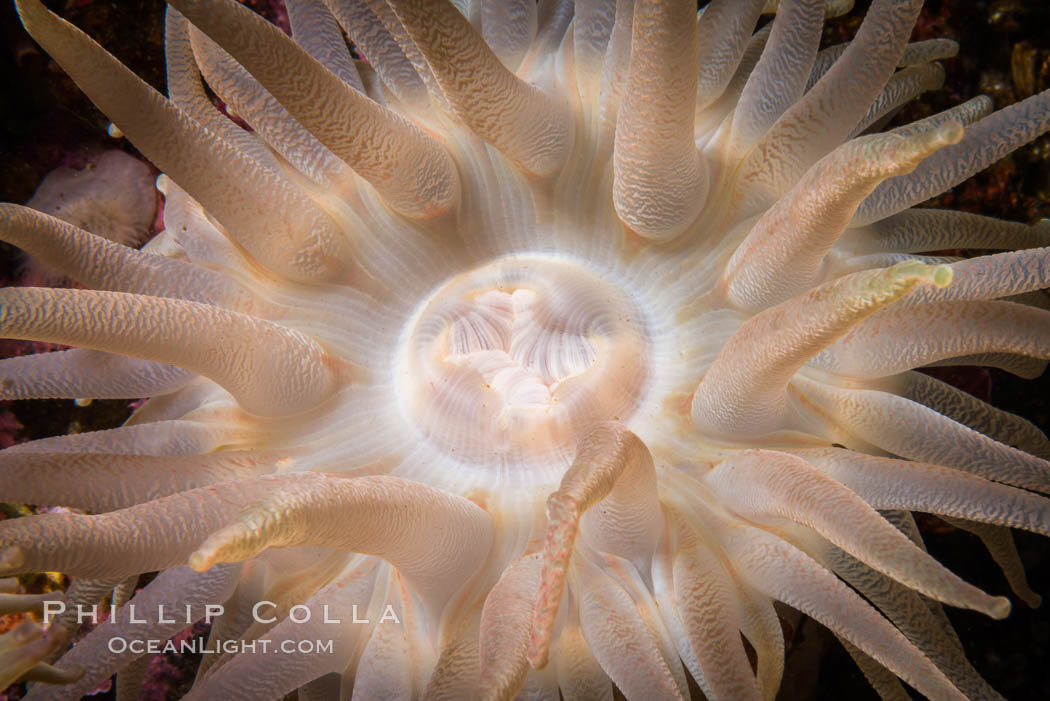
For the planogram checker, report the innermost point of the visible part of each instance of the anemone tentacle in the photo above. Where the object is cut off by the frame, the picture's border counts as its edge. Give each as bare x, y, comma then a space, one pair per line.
523, 122
408, 168
735, 397
175, 590
659, 179
614, 469
301, 241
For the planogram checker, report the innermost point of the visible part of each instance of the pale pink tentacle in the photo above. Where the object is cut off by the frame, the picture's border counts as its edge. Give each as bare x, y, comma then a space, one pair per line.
25, 649
920, 52
592, 28
982, 144
710, 611
81, 595
146, 537
397, 657
290, 234
255, 675
131, 679
844, 266
889, 483
381, 50
828, 111
783, 572
101, 482
87, 374
411, 171
268, 119
49, 674
285, 578
613, 472
823, 62
1028, 368
710, 119
779, 79
21, 650
908, 429
541, 685
914, 53
316, 30
832, 8
724, 30
458, 665
904, 86
905, 523
580, 677
509, 26
124, 590
760, 624
627, 519
999, 542
622, 643
987, 277
174, 590
783, 253
101, 264
270, 369
506, 621
187, 92
905, 337
967, 113
744, 390
663, 590
389, 19
26, 603
918, 230
968, 410
648, 611
236, 618
614, 71
196, 233
912, 615
766, 487
554, 18
436, 540
758, 620
528, 126
659, 179
172, 437
381, 671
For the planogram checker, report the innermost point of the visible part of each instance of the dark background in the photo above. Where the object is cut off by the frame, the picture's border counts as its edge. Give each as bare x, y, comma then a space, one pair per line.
1005, 53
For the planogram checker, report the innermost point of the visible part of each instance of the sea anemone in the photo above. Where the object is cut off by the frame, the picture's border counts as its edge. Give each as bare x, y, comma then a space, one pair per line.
559, 343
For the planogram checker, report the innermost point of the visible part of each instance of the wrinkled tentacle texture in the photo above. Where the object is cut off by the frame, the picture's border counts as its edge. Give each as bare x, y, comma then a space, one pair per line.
546, 346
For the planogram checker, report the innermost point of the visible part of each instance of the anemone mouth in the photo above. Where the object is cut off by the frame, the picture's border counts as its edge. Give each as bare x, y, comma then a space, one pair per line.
507, 363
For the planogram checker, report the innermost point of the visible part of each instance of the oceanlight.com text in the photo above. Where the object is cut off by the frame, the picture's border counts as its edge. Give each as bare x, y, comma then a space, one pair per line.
202, 646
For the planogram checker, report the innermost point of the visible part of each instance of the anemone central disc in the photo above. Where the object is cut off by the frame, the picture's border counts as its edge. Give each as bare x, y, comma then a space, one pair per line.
513, 359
